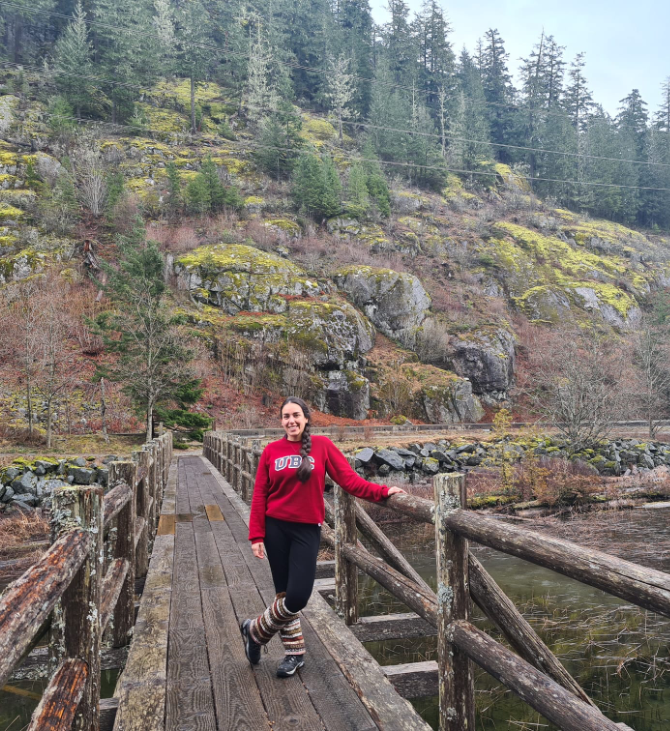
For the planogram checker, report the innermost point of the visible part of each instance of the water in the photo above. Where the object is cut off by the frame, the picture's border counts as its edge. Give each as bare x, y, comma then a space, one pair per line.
618, 653
17, 705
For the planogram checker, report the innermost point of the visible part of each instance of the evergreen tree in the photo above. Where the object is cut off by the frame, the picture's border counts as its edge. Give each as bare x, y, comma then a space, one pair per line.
632, 137
164, 30
578, 98
436, 56
125, 50
175, 199
192, 55
279, 141
317, 187
153, 362
217, 193
469, 131
357, 197
73, 62
402, 48
376, 182
341, 90
601, 143
357, 43
498, 91
198, 197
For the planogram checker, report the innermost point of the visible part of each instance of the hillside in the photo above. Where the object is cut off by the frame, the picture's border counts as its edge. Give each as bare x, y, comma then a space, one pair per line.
422, 314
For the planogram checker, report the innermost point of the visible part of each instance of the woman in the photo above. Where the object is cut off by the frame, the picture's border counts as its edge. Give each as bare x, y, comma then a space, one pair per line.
287, 511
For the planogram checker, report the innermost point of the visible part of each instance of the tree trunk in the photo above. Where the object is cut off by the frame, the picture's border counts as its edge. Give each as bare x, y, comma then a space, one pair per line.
29, 398
150, 421
18, 34
49, 424
192, 108
340, 126
103, 410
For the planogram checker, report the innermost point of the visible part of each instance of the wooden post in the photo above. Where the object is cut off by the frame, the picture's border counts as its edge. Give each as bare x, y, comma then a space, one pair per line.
236, 465
124, 612
77, 633
455, 677
141, 519
255, 459
154, 489
346, 573
229, 463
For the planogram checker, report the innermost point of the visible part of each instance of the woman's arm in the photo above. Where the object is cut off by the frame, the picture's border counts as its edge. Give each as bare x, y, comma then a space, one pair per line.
259, 500
349, 480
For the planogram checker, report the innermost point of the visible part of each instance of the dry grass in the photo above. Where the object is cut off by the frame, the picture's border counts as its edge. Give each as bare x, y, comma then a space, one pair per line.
76, 445
19, 528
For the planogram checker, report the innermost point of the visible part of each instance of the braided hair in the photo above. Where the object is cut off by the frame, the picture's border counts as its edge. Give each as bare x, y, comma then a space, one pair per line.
305, 469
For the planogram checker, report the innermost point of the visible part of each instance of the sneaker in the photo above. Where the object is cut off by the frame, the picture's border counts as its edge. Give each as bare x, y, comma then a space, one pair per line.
251, 647
289, 665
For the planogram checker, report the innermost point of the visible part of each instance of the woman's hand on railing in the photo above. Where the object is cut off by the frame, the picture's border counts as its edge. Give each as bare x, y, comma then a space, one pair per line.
258, 549
396, 491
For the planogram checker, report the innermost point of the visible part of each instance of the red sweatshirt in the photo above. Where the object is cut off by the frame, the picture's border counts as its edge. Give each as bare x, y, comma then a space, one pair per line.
280, 494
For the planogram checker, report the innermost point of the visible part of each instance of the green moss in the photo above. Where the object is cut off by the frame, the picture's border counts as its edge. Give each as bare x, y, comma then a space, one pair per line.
317, 129
491, 501
289, 227
8, 212
511, 178
237, 258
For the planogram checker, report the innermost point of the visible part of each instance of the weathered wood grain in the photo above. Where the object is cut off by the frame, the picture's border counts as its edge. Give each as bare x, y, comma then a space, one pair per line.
346, 573
239, 706
392, 627
26, 604
190, 702
58, 707
124, 548
112, 585
456, 678
413, 679
384, 705
115, 500
141, 689
543, 694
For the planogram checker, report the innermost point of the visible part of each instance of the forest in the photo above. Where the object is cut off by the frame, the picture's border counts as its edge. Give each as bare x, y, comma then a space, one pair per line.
399, 89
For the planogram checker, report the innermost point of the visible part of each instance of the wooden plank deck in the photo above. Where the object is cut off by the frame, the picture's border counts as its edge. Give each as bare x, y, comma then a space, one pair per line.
186, 667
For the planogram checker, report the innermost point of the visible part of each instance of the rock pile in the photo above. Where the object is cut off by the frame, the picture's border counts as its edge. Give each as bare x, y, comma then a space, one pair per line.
29, 483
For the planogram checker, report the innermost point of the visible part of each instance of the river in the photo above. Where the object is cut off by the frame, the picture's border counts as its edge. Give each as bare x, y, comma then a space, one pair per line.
618, 653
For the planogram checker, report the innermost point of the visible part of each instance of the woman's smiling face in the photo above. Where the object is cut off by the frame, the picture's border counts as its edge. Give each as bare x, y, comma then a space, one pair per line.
293, 420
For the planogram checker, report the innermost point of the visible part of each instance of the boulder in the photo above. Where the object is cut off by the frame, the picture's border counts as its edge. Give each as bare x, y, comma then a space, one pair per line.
430, 466
344, 393
487, 359
395, 302
451, 402
25, 483
391, 458
81, 475
240, 278
364, 456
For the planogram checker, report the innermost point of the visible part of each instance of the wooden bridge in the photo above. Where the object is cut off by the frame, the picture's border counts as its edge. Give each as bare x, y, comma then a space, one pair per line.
186, 667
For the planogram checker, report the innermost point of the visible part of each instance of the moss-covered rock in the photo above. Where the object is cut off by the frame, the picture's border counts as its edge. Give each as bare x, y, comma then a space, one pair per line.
396, 302
239, 278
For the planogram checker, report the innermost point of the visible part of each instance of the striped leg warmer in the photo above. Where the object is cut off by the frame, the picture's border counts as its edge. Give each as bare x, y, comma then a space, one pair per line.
291, 637
274, 619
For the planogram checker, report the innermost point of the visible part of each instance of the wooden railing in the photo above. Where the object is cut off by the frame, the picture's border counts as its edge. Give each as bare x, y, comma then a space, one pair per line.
235, 458
84, 585
533, 672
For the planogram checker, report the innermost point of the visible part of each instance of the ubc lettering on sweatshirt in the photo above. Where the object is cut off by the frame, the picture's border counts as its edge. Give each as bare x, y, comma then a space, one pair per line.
280, 494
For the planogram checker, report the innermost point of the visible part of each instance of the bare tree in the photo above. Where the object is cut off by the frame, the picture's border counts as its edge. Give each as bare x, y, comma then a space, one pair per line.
575, 381
651, 358
341, 89
89, 174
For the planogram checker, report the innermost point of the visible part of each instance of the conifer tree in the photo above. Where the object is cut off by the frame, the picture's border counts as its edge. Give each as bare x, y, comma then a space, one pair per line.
317, 187
153, 361
175, 198
356, 23
357, 197
498, 91
73, 62
192, 38
341, 90
125, 50
578, 98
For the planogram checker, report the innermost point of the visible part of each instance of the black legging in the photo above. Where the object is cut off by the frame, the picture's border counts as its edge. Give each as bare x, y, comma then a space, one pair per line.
292, 549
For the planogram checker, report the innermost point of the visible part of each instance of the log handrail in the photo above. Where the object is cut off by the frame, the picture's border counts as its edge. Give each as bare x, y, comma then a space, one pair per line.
535, 674
27, 602
70, 574
115, 500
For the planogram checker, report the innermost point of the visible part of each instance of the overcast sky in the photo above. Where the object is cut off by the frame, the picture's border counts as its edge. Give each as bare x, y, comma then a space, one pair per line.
626, 43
